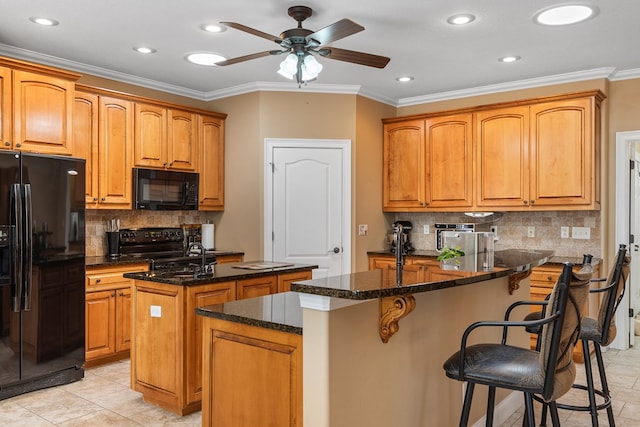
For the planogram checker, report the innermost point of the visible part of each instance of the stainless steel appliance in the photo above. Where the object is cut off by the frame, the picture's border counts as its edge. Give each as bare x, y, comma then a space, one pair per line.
459, 227
42, 269
163, 247
162, 190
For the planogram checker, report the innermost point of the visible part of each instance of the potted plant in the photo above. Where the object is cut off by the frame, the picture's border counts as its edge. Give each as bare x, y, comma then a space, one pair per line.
449, 258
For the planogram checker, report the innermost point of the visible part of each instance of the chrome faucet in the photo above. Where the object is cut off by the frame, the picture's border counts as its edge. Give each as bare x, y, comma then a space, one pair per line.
202, 253
400, 252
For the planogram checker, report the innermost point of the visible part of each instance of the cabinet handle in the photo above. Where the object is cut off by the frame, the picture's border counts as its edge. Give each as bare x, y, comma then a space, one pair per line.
18, 145
533, 202
524, 202
113, 294
98, 280
121, 294
95, 199
7, 144
164, 164
549, 278
170, 164
104, 199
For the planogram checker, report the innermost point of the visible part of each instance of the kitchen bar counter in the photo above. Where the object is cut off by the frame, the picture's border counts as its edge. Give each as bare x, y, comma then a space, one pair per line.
352, 374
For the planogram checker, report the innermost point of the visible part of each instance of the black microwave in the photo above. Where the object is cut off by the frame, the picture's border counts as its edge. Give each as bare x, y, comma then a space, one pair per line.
161, 190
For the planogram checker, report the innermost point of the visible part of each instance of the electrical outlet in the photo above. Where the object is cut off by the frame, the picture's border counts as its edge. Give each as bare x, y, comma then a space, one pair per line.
581, 232
362, 229
425, 229
531, 231
564, 232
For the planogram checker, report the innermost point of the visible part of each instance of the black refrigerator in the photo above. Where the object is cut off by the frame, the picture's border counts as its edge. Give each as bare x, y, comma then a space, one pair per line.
42, 267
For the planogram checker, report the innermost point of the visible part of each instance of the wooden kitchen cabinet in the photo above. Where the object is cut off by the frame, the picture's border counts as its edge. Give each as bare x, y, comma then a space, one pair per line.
164, 138
539, 154
285, 280
255, 373
416, 269
211, 165
108, 313
85, 141
36, 108
256, 287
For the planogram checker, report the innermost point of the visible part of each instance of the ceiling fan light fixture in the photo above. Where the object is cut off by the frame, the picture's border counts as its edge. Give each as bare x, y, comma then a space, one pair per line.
565, 14
311, 67
289, 66
204, 58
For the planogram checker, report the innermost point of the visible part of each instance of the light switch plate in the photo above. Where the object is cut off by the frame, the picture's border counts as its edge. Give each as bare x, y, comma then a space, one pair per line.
425, 229
363, 229
581, 232
531, 231
564, 232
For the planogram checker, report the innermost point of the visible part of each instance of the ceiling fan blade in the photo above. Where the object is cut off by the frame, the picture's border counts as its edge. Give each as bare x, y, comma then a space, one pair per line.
336, 31
355, 57
244, 58
252, 31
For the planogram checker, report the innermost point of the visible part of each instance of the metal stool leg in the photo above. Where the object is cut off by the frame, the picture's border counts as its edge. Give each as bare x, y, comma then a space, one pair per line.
530, 416
605, 386
590, 386
466, 408
491, 401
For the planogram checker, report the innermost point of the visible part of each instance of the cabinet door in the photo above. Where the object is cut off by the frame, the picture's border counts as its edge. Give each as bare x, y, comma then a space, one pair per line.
42, 113
502, 157
116, 132
182, 139
5, 108
85, 140
256, 287
100, 324
285, 280
200, 296
123, 319
562, 153
150, 140
449, 161
211, 164
403, 167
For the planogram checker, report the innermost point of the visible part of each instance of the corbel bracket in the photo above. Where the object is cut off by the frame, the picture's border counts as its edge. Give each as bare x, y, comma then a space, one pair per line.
516, 278
392, 309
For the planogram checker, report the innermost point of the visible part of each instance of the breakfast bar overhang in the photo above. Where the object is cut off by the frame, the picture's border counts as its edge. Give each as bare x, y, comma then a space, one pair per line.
355, 373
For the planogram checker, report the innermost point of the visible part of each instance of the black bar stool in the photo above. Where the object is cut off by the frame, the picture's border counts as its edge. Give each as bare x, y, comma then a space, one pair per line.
549, 372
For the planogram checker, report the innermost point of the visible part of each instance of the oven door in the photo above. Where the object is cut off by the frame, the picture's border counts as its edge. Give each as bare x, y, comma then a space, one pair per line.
165, 190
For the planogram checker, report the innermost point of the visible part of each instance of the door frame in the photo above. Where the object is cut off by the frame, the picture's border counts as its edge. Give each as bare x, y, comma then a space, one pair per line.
623, 144
345, 146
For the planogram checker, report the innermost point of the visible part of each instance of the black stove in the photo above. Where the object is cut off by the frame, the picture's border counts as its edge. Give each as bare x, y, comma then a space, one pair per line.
163, 247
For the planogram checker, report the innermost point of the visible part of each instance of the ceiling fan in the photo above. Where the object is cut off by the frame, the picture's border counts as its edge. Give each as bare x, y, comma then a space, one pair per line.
299, 43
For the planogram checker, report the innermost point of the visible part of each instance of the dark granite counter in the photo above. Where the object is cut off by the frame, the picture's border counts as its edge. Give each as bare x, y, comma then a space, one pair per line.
220, 273
281, 312
429, 254
105, 261
372, 284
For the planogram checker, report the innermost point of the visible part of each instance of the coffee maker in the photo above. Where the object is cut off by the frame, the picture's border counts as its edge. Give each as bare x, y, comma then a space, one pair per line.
405, 228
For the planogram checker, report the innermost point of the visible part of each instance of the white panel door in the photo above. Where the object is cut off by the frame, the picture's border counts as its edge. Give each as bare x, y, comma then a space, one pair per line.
308, 208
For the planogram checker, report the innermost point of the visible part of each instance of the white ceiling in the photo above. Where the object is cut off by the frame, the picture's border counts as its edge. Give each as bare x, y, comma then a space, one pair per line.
97, 36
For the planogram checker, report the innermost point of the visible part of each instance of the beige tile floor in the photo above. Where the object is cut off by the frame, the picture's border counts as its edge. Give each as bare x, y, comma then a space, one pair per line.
104, 398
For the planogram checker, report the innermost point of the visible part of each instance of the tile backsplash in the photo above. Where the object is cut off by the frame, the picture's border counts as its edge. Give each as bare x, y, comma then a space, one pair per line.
96, 223
512, 230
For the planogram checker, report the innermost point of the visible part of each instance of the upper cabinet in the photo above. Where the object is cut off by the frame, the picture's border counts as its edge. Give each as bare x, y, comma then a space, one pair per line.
428, 163
36, 108
165, 138
211, 167
542, 154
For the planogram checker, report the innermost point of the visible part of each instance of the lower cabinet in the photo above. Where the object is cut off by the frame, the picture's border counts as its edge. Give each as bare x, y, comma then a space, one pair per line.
415, 269
269, 360
257, 287
108, 313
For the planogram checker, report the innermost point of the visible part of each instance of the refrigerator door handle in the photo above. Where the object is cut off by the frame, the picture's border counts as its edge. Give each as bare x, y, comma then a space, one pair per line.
28, 247
15, 202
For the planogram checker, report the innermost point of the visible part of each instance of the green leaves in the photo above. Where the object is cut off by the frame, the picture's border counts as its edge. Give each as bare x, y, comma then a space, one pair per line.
448, 253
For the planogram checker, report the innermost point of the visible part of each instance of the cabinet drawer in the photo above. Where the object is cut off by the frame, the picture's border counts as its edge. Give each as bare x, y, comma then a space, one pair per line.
544, 278
111, 277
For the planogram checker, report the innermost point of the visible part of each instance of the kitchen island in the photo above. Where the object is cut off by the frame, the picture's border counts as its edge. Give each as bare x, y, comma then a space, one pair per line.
371, 353
166, 349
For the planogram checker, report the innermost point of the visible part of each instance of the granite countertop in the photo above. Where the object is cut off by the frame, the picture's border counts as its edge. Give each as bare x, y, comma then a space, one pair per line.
281, 312
555, 259
105, 261
372, 284
221, 273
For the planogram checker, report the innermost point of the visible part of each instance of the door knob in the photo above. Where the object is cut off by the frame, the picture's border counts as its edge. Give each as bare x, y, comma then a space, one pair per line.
335, 250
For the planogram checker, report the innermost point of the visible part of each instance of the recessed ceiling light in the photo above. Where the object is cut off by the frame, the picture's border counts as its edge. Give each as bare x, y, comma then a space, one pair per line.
565, 15
204, 58
404, 79
144, 49
213, 28
47, 22
508, 59
461, 19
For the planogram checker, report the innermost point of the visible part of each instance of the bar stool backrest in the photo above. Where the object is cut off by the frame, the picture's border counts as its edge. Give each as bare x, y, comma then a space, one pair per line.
611, 297
556, 352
